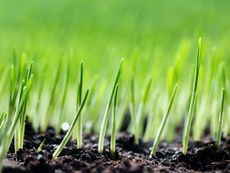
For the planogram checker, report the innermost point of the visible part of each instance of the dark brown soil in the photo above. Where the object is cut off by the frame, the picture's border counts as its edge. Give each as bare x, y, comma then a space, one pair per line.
201, 157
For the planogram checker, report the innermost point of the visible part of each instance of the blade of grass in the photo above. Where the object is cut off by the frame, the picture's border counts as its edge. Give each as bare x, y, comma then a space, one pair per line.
68, 134
29, 80
163, 122
220, 121
222, 105
192, 100
79, 99
113, 135
41, 145
106, 114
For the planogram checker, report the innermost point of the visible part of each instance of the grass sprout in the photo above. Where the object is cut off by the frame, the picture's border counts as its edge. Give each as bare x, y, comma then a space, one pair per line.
163, 122
220, 119
41, 145
106, 114
192, 100
113, 135
222, 105
79, 99
70, 131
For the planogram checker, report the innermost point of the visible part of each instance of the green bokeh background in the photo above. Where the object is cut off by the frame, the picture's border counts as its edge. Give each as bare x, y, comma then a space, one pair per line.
99, 31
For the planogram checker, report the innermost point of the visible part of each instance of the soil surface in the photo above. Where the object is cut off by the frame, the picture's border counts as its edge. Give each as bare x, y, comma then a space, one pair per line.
202, 156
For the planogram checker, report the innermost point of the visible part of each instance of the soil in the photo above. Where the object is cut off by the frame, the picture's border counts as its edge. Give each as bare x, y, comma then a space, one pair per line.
202, 156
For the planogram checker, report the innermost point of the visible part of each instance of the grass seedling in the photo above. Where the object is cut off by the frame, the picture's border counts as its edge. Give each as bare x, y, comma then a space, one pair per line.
41, 145
79, 98
29, 78
113, 135
70, 131
192, 100
13, 124
163, 122
106, 115
222, 105
133, 110
220, 121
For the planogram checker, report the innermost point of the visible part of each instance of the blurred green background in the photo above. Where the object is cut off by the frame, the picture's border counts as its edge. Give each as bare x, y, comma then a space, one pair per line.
99, 31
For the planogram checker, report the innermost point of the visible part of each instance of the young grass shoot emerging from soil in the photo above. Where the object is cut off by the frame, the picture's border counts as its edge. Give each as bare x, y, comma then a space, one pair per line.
78, 129
192, 100
113, 135
163, 122
106, 115
222, 103
70, 131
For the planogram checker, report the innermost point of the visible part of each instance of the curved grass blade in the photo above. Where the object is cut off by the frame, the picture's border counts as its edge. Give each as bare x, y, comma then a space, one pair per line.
113, 135
79, 99
68, 134
41, 145
106, 115
192, 100
163, 122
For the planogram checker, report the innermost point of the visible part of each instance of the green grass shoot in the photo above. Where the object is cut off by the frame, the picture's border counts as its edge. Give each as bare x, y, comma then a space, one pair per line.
41, 145
220, 119
70, 131
113, 134
192, 101
79, 99
163, 122
106, 114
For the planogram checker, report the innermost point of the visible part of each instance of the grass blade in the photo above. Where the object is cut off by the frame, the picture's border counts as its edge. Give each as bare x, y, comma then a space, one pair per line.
192, 100
113, 135
163, 122
41, 145
68, 134
79, 97
133, 110
106, 115
220, 121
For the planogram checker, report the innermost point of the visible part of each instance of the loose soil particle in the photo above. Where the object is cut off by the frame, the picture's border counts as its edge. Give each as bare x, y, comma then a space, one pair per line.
130, 158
